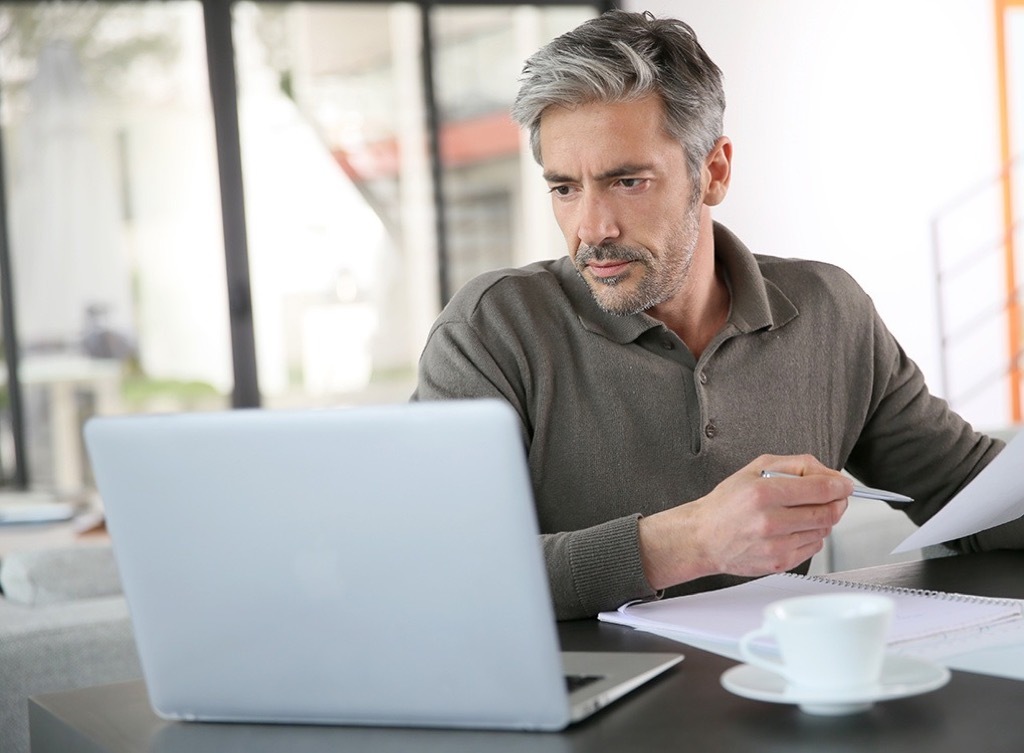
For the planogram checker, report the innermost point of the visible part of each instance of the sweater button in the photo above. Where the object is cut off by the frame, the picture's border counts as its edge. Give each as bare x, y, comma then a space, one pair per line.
668, 344
710, 431
703, 378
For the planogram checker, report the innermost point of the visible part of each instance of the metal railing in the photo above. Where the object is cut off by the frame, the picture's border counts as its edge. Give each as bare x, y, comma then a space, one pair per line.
974, 247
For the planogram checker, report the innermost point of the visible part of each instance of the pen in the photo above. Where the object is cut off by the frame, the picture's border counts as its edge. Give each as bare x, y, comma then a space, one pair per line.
864, 492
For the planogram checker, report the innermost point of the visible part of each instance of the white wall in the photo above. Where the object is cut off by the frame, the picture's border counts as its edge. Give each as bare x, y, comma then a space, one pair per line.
853, 124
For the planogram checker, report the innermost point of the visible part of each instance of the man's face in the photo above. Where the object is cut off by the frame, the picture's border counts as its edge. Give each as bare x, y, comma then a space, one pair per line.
623, 199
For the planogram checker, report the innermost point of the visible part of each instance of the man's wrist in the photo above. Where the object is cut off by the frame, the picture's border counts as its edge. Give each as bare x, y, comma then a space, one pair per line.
671, 550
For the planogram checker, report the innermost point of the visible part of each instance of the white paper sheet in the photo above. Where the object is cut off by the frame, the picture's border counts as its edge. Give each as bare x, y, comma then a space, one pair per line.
996, 495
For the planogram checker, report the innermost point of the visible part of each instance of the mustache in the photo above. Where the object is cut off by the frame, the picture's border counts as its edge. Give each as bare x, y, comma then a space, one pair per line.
608, 252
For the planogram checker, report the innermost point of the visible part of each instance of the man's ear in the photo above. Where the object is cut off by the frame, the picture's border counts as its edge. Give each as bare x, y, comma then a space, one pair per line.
717, 172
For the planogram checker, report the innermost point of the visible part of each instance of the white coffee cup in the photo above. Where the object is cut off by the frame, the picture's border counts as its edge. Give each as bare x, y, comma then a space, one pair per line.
829, 643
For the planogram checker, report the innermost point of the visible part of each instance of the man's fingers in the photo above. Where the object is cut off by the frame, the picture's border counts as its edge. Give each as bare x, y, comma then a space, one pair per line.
815, 489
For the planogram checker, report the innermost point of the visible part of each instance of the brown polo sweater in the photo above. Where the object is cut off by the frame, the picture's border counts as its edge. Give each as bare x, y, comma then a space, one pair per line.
619, 420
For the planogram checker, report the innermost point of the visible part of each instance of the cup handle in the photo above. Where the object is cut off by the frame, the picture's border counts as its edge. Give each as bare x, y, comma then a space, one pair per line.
751, 656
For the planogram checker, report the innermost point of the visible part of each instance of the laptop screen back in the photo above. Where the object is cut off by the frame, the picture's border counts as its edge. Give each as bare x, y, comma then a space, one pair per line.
369, 565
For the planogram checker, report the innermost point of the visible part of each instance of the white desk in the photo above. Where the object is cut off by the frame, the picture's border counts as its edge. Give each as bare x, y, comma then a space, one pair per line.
61, 377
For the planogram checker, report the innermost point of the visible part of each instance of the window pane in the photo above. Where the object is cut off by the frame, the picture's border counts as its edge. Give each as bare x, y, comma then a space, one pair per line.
338, 202
498, 212
114, 219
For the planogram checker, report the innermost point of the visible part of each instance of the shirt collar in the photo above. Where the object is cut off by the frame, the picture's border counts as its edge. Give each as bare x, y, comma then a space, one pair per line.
756, 302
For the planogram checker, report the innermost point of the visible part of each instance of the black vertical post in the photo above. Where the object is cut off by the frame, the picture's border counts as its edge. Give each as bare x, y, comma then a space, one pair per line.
220, 59
434, 147
10, 333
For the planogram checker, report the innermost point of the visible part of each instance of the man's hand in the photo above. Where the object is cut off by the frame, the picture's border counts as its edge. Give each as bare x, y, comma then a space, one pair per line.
748, 525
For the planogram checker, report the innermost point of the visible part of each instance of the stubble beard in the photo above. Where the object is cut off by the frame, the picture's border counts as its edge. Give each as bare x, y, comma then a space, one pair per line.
660, 279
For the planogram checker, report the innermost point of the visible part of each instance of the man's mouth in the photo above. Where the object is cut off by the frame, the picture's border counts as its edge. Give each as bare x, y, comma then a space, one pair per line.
609, 268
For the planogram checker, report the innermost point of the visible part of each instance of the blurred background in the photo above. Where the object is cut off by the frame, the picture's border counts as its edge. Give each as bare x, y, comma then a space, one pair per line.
232, 204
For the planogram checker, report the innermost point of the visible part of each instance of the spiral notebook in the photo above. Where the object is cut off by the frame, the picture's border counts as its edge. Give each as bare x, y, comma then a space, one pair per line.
928, 624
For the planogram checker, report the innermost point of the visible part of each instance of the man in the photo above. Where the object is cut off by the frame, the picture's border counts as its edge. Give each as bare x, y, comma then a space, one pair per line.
661, 366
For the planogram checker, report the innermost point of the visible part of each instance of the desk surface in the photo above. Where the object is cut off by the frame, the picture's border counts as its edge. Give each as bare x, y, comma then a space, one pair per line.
685, 709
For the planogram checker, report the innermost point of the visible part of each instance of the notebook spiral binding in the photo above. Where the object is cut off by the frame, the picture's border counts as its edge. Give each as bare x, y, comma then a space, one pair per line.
901, 590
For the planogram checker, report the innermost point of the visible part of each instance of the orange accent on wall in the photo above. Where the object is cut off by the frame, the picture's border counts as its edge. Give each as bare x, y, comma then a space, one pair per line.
466, 142
478, 140
1013, 309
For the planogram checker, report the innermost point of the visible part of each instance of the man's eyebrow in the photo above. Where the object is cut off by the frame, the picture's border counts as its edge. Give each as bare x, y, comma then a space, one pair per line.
618, 171
557, 178
623, 170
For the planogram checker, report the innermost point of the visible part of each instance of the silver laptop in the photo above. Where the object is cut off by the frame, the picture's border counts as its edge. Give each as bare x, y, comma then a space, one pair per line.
366, 566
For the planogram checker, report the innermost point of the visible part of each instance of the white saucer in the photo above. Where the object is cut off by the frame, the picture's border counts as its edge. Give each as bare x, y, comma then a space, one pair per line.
902, 676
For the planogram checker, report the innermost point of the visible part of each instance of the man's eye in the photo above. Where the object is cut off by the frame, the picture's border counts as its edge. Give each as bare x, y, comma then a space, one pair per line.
631, 182
560, 190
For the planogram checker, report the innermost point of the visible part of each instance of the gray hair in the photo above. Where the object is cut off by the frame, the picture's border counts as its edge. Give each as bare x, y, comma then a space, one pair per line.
622, 56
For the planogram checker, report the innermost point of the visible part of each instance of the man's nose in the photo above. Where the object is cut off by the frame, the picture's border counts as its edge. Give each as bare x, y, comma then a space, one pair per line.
597, 222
